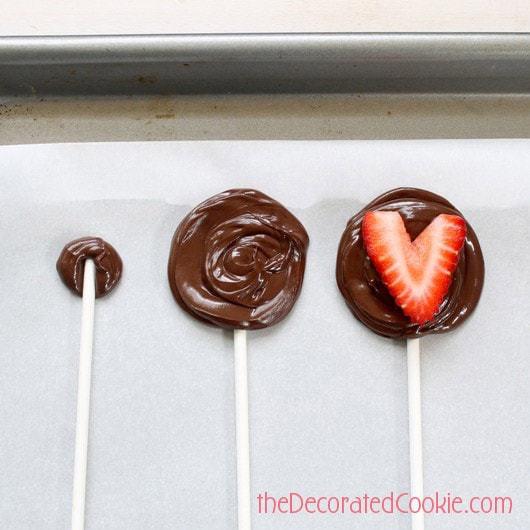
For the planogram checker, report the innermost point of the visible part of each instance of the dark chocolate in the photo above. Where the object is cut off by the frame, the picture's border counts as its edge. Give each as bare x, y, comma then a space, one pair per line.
237, 260
71, 264
364, 291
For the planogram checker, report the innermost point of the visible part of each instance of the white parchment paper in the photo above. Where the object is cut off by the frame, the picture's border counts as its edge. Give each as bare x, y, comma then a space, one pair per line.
328, 397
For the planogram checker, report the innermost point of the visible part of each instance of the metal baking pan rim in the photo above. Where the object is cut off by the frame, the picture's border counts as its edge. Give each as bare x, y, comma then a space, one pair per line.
430, 63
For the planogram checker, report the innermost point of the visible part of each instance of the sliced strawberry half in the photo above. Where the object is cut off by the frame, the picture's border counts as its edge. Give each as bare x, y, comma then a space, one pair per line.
416, 273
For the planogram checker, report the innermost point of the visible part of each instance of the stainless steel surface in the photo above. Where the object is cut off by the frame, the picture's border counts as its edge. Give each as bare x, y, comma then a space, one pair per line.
272, 63
264, 117
305, 86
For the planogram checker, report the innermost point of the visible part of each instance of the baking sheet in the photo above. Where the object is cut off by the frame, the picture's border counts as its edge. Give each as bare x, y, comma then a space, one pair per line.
328, 398
33, 67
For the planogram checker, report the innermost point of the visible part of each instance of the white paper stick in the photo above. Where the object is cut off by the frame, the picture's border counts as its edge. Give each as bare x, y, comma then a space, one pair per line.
415, 428
242, 430
83, 396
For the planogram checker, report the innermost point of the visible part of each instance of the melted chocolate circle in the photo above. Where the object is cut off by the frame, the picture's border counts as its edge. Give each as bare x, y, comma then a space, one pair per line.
367, 296
71, 264
237, 260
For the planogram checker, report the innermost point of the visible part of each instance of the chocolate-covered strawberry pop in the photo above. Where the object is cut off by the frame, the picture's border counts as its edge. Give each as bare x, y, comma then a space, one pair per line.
410, 248
409, 264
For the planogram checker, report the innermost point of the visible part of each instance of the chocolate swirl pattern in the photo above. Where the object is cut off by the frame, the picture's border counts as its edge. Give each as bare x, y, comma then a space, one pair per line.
367, 296
237, 260
70, 264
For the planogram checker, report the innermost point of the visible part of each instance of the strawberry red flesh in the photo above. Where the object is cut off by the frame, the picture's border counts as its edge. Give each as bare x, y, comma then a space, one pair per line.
416, 273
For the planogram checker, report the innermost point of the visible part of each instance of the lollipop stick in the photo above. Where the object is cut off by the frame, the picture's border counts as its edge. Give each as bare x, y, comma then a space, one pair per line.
415, 436
83, 396
242, 430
